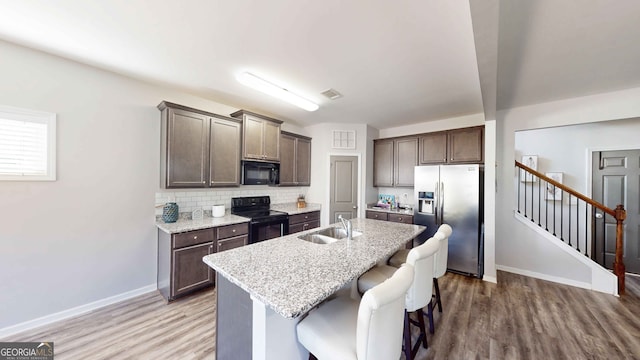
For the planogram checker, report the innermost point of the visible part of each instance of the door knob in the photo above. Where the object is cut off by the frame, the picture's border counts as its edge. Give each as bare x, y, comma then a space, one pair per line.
355, 207
599, 215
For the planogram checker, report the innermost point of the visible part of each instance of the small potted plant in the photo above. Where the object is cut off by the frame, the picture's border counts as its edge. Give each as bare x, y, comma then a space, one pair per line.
301, 202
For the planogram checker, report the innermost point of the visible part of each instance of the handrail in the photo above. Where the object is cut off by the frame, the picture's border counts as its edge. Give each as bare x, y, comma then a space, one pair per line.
590, 201
619, 213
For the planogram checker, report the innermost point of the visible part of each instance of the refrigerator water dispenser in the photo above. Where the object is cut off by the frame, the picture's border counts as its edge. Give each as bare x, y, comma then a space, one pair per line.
425, 202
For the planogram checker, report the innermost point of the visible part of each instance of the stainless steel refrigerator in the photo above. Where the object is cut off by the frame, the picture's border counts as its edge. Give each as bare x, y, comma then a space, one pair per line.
453, 194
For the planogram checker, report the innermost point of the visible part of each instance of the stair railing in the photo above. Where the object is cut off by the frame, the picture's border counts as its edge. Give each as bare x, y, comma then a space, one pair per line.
561, 221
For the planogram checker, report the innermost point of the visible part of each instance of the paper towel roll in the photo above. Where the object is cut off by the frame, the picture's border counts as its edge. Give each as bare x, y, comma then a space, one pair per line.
217, 211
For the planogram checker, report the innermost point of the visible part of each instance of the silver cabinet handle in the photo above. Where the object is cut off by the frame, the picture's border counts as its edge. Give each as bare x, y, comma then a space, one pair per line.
234, 230
355, 207
195, 237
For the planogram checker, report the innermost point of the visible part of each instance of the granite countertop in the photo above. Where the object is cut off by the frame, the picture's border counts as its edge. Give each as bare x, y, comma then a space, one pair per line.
291, 276
292, 208
391, 211
183, 225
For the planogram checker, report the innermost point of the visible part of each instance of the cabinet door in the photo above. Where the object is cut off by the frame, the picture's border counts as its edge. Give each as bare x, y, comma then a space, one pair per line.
225, 153
383, 163
465, 145
252, 145
433, 148
271, 140
303, 161
187, 149
232, 243
406, 159
287, 160
189, 272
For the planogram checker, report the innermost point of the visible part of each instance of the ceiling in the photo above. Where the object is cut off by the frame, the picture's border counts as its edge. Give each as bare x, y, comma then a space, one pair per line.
396, 63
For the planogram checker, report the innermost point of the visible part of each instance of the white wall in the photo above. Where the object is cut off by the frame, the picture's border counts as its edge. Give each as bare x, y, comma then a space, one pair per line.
517, 247
550, 144
89, 235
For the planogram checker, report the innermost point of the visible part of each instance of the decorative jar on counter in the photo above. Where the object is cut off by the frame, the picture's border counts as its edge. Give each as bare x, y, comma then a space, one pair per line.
170, 212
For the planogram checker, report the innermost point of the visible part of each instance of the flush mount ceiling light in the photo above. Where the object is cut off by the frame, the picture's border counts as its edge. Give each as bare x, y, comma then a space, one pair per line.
268, 88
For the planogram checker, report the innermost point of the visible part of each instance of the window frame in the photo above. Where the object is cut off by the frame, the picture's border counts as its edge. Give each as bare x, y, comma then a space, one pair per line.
41, 117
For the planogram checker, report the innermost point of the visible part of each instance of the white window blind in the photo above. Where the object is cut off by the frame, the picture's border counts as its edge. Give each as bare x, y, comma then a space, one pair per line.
27, 144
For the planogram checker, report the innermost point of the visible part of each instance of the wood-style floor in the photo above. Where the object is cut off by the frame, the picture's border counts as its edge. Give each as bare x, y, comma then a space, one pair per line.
518, 318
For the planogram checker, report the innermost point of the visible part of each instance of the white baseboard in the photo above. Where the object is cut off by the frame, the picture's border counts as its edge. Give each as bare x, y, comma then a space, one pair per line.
79, 310
546, 277
491, 279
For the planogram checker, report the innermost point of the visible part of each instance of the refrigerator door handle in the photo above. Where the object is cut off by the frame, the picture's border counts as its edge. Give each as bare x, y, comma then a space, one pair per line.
437, 200
441, 193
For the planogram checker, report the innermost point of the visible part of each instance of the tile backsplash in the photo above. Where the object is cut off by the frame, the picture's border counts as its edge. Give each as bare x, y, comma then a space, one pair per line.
192, 199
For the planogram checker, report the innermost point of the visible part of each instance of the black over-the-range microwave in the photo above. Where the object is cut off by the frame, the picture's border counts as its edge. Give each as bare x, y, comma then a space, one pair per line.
260, 173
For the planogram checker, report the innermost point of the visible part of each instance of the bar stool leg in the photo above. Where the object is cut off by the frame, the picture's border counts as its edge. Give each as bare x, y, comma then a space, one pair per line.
430, 315
407, 337
435, 283
423, 332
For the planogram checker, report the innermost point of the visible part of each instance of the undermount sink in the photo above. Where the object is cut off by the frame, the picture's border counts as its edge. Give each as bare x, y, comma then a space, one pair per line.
328, 236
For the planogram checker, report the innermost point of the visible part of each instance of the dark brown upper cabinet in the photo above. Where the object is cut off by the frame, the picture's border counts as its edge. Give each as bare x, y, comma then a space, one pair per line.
260, 136
295, 160
199, 149
383, 163
433, 148
464, 145
394, 161
405, 161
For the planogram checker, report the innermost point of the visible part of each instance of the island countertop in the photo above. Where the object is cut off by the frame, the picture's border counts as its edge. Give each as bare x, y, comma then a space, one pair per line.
291, 275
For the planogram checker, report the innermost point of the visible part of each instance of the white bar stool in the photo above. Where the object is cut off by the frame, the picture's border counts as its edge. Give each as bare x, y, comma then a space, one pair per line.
419, 294
368, 329
440, 267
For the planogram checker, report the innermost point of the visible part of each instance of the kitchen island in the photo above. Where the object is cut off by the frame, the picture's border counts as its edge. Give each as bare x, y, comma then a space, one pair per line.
264, 289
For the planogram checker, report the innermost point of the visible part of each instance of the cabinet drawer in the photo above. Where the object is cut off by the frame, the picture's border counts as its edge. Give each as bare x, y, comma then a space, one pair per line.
401, 218
306, 217
294, 228
192, 238
377, 215
232, 243
232, 230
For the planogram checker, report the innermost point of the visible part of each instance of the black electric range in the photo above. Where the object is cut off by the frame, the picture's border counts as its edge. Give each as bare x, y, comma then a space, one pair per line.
265, 223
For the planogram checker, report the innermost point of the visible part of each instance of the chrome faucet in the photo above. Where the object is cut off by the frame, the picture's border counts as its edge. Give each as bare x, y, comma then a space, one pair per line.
346, 224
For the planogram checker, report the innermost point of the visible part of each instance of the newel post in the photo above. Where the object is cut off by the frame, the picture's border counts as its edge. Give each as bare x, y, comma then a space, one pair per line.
618, 264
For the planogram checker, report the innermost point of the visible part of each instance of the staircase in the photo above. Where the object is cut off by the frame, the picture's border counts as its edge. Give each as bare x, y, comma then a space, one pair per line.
564, 217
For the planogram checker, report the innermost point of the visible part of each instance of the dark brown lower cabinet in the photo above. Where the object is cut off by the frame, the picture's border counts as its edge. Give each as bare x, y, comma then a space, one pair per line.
305, 221
401, 218
377, 215
180, 266
188, 272
394, 217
